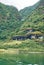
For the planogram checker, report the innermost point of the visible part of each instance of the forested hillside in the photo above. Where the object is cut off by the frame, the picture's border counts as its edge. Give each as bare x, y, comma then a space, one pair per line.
14, 22
36, 19
28, 10
9, 21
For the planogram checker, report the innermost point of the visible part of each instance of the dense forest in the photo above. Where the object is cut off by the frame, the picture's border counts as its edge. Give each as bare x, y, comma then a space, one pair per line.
14, 22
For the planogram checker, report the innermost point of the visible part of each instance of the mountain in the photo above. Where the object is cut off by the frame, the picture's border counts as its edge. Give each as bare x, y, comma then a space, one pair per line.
28, 10
14, 22
35, 19
9, 21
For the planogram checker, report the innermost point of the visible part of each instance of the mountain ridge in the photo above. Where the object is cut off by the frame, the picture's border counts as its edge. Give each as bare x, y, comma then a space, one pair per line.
36, 19
12, 23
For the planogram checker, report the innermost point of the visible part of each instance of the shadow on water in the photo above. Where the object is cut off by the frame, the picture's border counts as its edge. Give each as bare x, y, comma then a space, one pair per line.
22, 59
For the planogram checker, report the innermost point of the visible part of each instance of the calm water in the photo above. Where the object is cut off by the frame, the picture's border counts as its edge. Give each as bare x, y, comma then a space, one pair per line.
22, 59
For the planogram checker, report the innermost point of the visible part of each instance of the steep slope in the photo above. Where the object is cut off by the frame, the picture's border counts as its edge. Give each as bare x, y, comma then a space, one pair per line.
9, 21
36, 19
28, 10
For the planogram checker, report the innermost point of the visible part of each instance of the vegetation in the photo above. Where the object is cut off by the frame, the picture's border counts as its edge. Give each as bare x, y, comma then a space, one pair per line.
27, 11
9, 21
14, 22
29, 45
35, 21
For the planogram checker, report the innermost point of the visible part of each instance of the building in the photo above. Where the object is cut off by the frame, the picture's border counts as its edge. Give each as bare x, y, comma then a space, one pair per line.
30, 35
35, 35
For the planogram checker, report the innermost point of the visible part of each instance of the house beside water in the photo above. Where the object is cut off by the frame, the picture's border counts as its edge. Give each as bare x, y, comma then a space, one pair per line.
30, 34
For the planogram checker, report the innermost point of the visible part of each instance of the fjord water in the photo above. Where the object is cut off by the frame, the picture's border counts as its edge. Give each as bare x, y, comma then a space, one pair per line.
22, 59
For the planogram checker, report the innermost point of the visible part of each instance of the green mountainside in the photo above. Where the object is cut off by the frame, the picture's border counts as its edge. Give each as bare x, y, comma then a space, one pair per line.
9, 21
35, 20
28, 10
14, 22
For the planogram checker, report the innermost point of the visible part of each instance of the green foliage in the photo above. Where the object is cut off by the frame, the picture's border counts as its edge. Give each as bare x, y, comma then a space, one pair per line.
27, 11
9, 21
30, 45
12, 23
35, 19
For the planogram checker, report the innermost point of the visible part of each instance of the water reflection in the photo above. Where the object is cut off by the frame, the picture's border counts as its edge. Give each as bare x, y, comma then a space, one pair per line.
22, 59
32, 64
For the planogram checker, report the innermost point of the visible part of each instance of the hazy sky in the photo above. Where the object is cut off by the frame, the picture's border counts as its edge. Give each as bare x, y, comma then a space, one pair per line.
20, 4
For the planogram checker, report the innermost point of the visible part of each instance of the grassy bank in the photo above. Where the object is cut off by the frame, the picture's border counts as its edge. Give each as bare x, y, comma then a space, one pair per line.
29, 45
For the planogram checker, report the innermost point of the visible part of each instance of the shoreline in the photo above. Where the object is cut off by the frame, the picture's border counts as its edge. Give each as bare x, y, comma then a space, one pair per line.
17, 51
